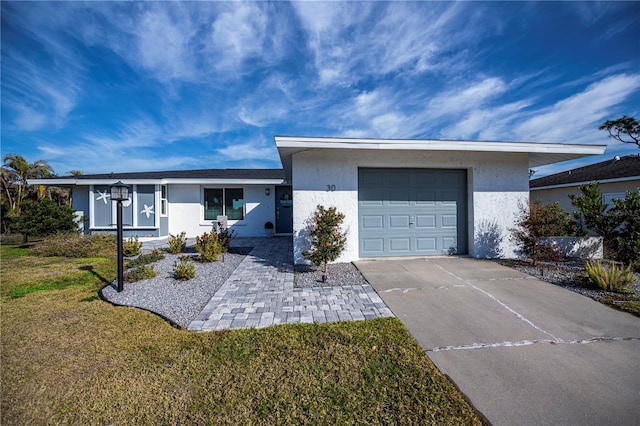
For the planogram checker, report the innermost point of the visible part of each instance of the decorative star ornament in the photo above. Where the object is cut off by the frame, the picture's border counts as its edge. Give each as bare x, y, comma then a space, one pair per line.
148, 210
103, 196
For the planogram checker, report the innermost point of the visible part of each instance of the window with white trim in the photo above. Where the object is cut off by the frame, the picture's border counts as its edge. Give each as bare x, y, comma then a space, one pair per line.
163, 200
223, 201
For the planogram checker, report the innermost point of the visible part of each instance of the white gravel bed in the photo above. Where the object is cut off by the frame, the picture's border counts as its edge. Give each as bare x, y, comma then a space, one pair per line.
570, 275
176, 300
340, 274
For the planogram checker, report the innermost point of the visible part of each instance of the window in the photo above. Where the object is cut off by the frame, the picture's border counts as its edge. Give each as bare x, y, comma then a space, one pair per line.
163, 200
234, 204
228, 201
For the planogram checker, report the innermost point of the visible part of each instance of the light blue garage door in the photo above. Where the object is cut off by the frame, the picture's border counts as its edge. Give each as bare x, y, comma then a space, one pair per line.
412, 212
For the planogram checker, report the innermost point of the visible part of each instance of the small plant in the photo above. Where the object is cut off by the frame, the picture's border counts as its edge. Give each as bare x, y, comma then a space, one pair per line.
131, 247
327, 239
145, 259
614, 279
177, 243
209, 246
138, 274
225, 236
186, 269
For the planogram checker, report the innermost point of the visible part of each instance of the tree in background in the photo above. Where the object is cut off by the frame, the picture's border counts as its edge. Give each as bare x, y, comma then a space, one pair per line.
15, 173
327, 239
624, 129
619, 225
626, 243
593, 211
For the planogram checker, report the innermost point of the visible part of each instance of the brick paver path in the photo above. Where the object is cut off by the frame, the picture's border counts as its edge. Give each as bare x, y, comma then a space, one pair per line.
260, 293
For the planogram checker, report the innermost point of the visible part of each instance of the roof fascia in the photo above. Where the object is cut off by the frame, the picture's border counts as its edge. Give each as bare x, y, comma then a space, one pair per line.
567, 185
305, 143
186, 181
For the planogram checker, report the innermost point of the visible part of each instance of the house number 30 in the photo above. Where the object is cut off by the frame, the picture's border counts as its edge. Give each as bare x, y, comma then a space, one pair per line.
331, 188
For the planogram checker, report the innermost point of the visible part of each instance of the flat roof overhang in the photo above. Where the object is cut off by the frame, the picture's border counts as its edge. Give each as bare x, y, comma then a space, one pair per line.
540, 154
166, 181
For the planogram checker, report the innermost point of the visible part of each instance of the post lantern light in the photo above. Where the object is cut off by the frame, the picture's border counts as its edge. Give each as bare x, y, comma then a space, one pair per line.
119, 193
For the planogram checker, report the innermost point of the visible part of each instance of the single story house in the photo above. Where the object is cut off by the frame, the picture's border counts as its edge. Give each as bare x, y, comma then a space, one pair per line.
616, 177
399, 197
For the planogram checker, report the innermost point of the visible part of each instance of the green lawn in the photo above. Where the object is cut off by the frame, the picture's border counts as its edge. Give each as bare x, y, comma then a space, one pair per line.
70, 358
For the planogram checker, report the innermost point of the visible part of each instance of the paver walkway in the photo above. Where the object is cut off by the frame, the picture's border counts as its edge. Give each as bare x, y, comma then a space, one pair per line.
260, 293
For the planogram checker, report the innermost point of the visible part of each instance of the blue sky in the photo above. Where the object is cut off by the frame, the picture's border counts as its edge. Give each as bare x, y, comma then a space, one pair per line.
112, 87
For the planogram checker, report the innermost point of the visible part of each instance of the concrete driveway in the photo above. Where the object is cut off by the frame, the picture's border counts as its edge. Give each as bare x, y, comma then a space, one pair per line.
523, 351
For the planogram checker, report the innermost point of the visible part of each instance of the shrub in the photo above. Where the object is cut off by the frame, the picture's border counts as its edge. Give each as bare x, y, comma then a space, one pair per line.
593, 210
186, 269
209, 246
535, 224
145, 259
618, 225
327, 240
177, 243
225, 236
131, 247
626, 243
42, 218
76, 245
137, 274
613, 279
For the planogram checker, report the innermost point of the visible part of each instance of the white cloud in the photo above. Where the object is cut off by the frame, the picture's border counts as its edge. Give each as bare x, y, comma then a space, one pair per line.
28, 119
163, 45
245, 151
577, 117
461, 99
353, 39
39, 97
238, 34
486, 123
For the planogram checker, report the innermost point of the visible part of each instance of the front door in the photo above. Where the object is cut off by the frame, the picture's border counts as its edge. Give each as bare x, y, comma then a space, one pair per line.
284, 210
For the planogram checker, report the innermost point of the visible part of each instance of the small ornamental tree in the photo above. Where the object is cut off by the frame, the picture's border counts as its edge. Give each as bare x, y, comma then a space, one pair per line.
327, 239
535, 224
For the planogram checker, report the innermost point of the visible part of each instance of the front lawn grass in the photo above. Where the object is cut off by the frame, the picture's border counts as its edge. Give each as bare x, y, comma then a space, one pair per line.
68, 358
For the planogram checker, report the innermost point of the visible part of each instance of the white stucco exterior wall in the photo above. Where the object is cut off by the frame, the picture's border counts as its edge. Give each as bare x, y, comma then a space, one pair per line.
497, 183
186, 211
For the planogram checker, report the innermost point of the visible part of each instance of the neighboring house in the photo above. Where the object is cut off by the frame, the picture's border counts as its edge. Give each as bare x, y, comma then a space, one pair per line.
615, 177
399, 197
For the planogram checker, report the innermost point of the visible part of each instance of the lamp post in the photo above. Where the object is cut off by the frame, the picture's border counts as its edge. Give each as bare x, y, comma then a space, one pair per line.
119, 193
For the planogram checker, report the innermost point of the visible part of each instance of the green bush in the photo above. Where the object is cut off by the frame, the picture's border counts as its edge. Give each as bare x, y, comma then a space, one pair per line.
535, 224
177, 243
42, 218
140, 273
612, 279
76, 245
209, 246
131, 247
224, 237
145, 259
618, 225
626, 244
186, 269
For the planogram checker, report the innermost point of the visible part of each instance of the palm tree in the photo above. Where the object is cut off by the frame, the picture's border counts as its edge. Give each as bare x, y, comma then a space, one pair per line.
15, 173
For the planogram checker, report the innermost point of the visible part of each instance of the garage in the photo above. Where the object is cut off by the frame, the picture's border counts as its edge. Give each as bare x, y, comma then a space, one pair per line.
412, 212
